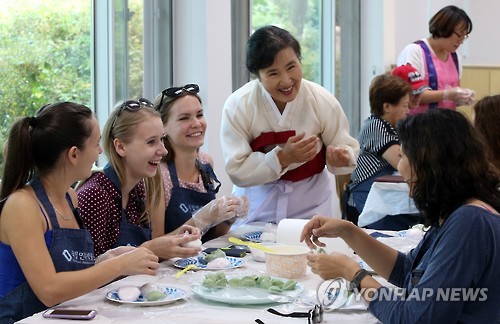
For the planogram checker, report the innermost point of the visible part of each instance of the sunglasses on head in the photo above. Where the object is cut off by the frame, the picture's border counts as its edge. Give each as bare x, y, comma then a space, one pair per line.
177, 91
132, 105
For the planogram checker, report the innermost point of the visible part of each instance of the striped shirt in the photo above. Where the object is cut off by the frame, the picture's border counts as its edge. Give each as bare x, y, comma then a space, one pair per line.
375, 137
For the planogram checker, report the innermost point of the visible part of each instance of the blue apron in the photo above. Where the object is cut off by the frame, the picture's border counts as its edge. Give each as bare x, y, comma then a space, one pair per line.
359, 193
130, 234
183, 201
71, 249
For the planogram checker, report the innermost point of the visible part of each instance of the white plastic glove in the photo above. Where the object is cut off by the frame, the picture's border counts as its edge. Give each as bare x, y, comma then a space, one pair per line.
114, 253
460, 96
219, 210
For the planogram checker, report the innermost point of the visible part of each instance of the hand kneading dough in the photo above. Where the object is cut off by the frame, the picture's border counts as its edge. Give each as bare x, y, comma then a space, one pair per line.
192, 244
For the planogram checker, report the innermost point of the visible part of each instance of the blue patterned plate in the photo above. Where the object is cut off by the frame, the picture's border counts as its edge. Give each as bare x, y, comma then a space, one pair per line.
253, 236
234, 263
171, 295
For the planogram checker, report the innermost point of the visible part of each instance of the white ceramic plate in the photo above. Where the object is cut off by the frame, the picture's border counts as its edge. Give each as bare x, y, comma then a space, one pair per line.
234, 263
171, 295
246, 296
253, 236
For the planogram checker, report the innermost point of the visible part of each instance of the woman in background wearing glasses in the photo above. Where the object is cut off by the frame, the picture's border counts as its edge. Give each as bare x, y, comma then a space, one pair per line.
119, 203
46, 253
279, 131
189, 180
437, 60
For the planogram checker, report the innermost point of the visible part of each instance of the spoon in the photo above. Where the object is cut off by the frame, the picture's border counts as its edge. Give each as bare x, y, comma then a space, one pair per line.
183, 271
250, 244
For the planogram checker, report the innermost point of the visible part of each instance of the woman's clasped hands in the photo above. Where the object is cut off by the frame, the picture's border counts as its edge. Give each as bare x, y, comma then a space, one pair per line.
298, 149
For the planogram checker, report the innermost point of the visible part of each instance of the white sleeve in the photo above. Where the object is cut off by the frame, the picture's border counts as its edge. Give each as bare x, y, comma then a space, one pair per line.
413, 54
335, 130
245, 167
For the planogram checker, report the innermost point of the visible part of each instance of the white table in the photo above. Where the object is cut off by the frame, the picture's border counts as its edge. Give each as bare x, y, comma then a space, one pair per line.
386, 198
194, 309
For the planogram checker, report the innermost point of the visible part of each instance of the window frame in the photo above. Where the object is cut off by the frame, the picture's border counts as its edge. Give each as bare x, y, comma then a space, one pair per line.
349, 22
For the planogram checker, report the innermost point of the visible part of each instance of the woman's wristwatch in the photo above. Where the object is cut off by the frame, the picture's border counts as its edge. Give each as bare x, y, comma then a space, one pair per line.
355, 284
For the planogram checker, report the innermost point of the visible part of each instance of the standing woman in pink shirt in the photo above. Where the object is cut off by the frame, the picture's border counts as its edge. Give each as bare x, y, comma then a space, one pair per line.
437, 60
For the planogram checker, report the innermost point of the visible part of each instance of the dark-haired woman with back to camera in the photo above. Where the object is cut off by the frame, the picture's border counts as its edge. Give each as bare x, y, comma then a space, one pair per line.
452, 274
46, 253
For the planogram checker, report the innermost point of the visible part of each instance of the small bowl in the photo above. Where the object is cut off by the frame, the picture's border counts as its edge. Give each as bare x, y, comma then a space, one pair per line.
260, 255
287, 261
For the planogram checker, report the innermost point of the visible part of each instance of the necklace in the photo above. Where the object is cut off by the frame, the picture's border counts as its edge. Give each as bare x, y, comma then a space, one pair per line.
64, 217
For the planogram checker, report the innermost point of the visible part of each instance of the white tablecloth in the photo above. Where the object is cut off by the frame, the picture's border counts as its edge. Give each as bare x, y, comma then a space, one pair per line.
386, 198
194, 309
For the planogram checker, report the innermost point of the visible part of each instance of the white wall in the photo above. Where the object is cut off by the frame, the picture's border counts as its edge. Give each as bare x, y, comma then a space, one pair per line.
481, 48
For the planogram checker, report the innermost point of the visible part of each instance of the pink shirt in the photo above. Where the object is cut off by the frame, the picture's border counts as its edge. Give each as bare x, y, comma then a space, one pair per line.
446, 71
447, 76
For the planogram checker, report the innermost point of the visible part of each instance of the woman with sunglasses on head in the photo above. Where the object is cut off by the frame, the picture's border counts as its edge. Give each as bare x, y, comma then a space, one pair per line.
46, 253
279, 131
437, 60
452, 275
190, 183
119, 203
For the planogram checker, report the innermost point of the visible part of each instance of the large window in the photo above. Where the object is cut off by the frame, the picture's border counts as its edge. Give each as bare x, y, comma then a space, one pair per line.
128, 49
302, 18
328, 32
89, 51
141, 48
45, 48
